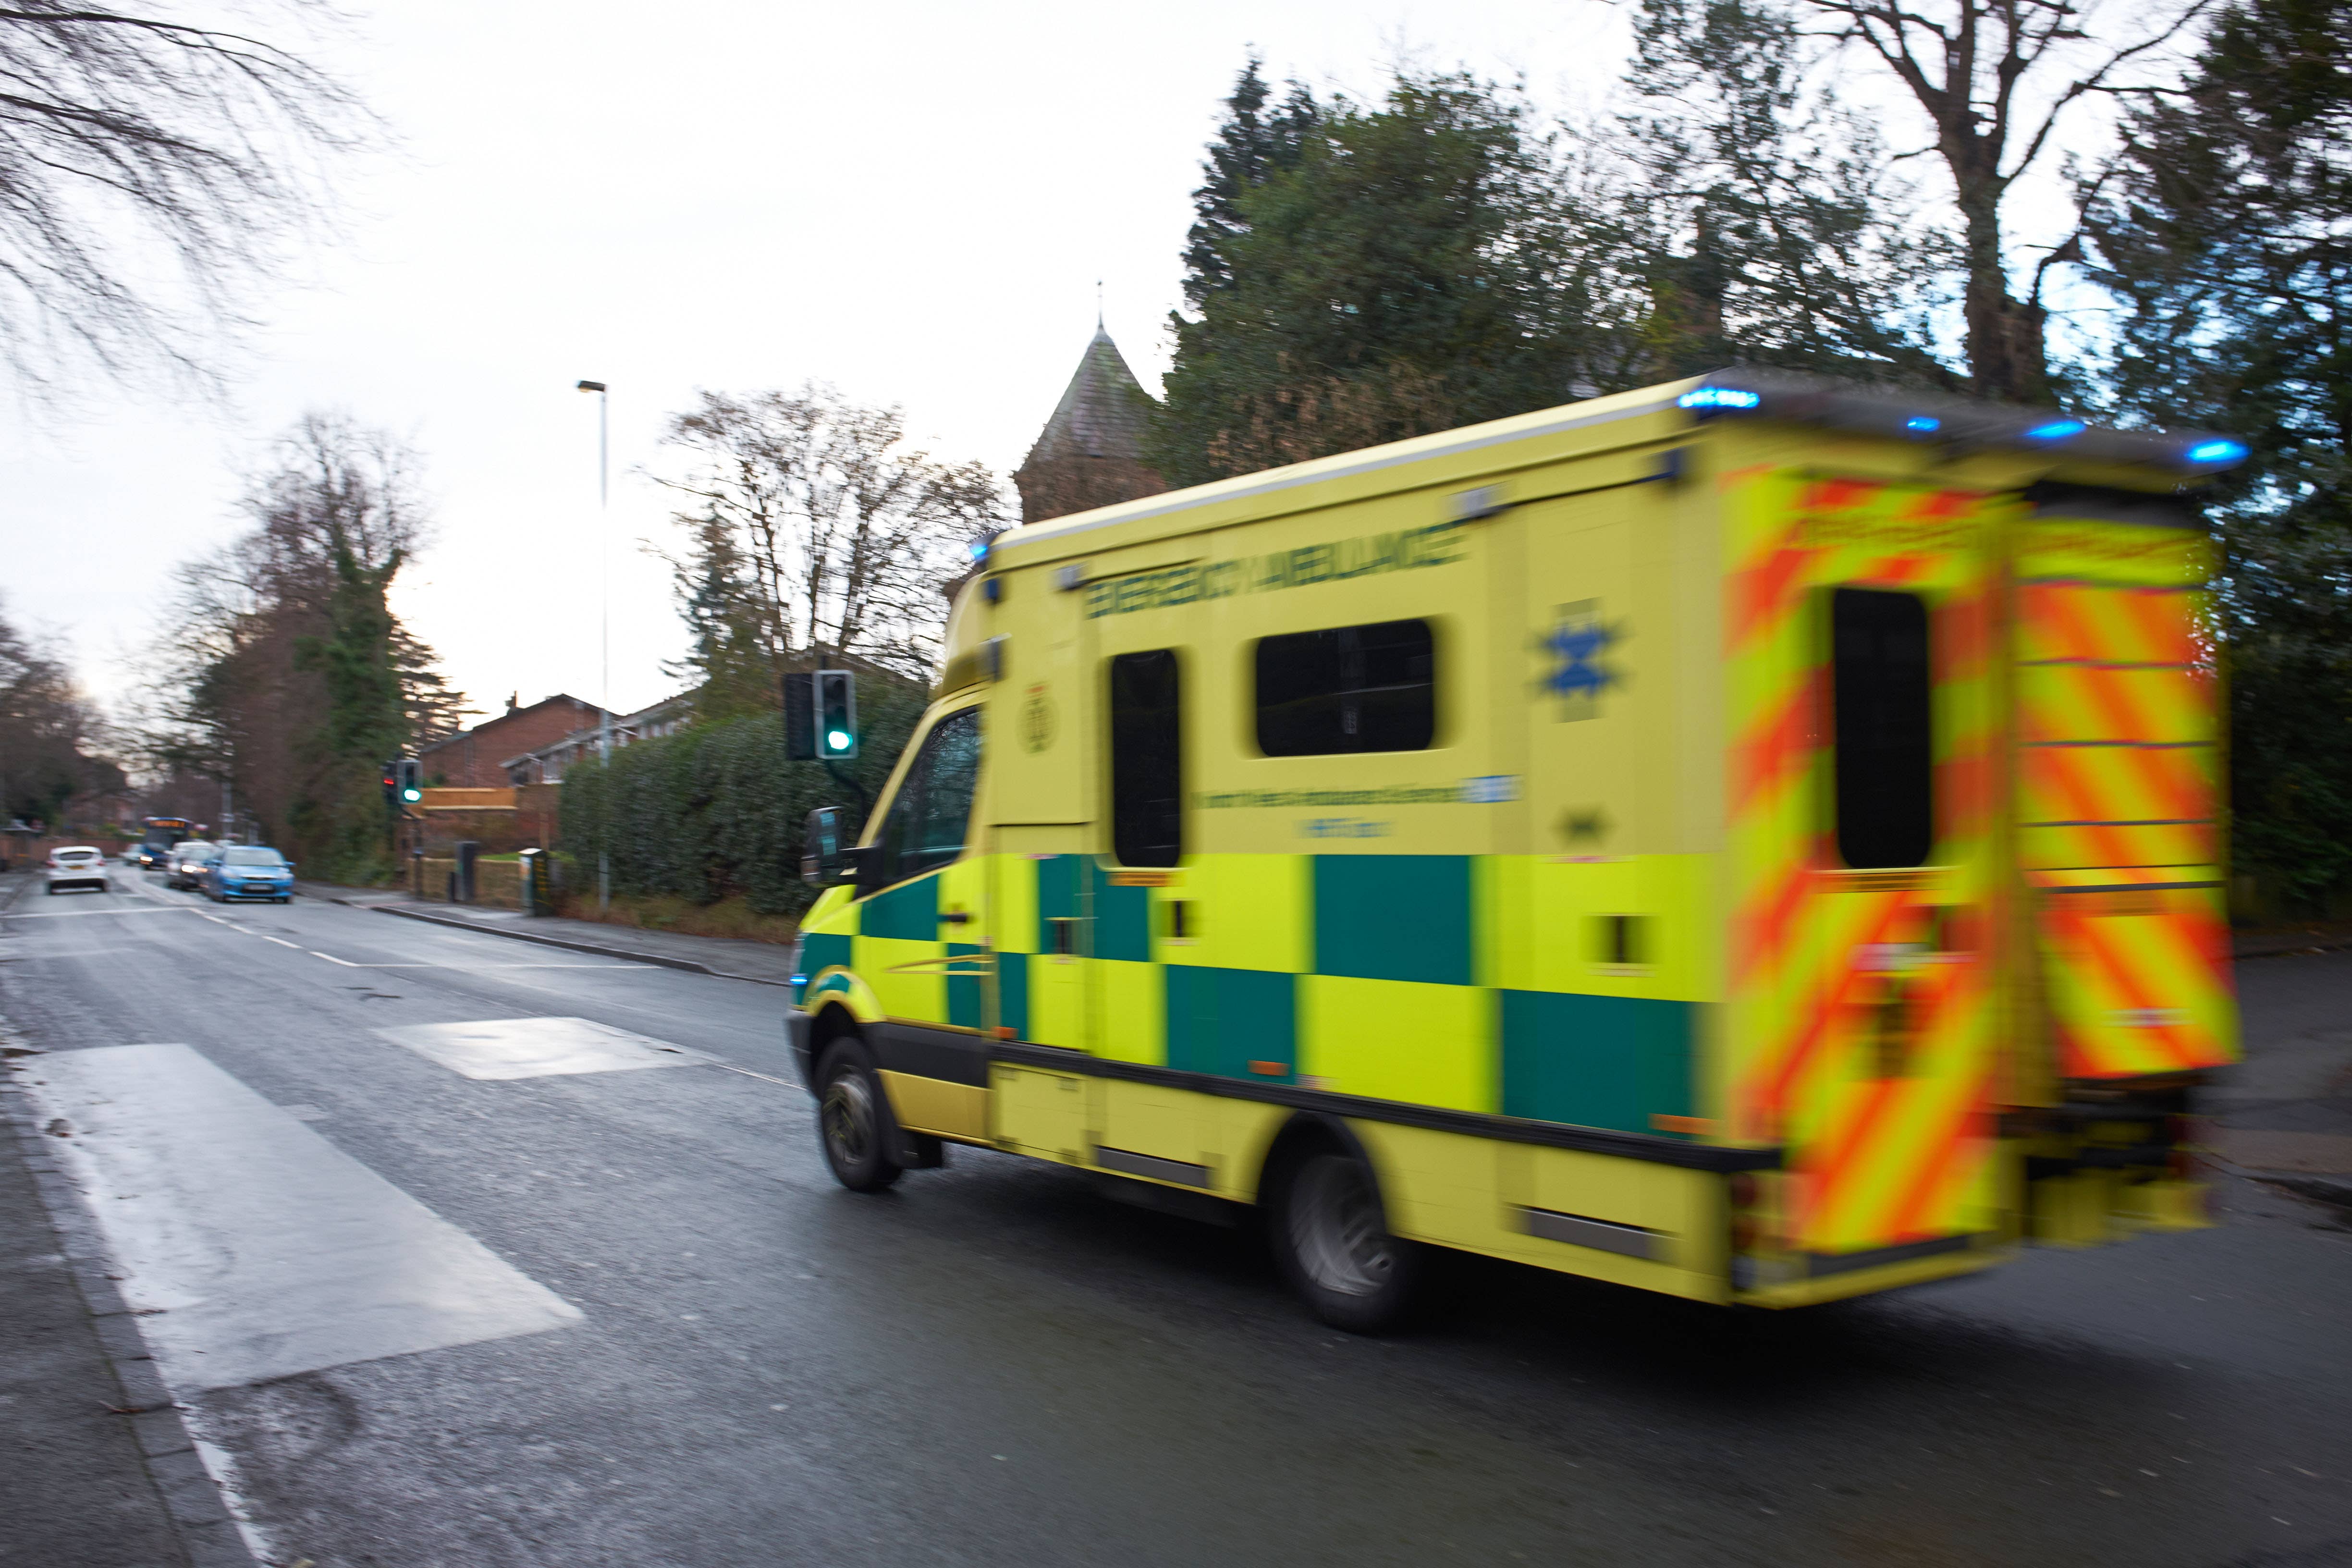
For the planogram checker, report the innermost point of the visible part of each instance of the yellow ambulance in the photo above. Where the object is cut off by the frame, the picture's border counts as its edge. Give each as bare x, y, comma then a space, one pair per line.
1753, 839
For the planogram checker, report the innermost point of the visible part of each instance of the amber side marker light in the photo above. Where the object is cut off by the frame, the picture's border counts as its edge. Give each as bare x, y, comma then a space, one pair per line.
1697, 1125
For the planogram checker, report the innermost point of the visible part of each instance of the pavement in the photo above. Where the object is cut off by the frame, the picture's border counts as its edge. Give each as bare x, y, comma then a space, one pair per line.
99, 1470
459, 1249
729, 958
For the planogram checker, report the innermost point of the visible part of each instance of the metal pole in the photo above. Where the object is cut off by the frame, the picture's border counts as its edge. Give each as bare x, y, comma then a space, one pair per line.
604, 633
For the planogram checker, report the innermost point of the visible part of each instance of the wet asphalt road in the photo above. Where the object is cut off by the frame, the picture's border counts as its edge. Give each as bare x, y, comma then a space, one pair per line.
994, 1364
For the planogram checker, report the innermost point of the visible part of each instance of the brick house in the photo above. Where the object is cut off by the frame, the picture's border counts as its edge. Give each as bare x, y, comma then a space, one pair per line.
471, 758
545, 764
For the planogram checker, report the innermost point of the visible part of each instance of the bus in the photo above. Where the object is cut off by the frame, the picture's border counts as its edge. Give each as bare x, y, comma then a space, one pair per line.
158, 834
1754, 838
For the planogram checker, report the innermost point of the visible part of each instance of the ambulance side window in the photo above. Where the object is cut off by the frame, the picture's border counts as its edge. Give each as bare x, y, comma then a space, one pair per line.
1147, 759
1881, 694
1350, 688
925, 829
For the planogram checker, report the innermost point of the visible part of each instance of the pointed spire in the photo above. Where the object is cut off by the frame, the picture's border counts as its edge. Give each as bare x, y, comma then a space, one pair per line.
1090, 453
1102, 411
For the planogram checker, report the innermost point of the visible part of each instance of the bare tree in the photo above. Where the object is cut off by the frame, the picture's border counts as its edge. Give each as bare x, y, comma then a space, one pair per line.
151, 167
811, 511
1997, 79
283, 671
46, 731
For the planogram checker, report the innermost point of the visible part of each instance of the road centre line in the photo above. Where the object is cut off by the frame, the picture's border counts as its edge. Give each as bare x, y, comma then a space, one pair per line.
331, 958
470, 967
283, 942
85, 914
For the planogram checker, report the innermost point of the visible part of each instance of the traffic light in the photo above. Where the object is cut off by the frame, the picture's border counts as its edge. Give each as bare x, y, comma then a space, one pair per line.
820, 716
411, 774
391, 788
836, 715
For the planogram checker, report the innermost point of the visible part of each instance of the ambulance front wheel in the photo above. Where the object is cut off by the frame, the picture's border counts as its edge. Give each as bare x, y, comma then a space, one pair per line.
1331, 1238
853, 1121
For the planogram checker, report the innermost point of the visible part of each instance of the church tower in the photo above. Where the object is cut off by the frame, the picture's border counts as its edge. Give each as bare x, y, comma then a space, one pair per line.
1090, 453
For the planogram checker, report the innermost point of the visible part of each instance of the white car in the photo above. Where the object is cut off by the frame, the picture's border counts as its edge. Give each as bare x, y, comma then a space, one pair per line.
77, 866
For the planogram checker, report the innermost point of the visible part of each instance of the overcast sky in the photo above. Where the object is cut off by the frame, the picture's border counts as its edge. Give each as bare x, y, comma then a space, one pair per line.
913, 200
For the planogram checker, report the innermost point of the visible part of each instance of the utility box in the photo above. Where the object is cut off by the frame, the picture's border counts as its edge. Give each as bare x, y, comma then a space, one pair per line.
462, 880
536, 895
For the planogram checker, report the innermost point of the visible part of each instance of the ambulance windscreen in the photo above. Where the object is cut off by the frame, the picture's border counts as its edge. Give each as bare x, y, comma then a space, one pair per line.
1881, 693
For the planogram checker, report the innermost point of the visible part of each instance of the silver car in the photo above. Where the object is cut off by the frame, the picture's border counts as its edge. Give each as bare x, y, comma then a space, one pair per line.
184, 860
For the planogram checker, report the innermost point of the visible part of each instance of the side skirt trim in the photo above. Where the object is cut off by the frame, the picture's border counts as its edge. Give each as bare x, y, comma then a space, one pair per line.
1608, 1235
1471, 1123
1151, 1165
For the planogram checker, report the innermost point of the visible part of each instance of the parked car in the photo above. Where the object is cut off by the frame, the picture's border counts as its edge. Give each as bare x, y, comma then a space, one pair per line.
77, 866
245, 871
180, 861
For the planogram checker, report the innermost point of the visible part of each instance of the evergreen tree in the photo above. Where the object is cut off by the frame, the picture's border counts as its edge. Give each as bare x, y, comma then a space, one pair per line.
1251, 144
2226, 231
1410, 270
339, 818
726, 659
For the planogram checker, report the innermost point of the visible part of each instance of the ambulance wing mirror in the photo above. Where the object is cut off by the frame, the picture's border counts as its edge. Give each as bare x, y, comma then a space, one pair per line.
823, 858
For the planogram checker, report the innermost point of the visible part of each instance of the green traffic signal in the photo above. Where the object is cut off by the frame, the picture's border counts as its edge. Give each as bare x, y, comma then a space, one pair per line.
836, 714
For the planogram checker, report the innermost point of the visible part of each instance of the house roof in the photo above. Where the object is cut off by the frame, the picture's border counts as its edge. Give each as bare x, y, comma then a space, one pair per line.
1102, 411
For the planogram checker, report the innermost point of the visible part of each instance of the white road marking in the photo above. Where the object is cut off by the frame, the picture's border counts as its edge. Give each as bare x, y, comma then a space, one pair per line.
538, 1048
283, 942
331, 958
470, 967
747, 1072
257, 1248
84, 914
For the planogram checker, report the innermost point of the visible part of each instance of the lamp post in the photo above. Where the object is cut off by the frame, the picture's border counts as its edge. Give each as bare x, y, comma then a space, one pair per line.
604, 625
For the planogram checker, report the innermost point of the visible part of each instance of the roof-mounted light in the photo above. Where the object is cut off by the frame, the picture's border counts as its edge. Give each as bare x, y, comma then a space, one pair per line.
2218, 451
1702, 397
2055, 430
1923, 425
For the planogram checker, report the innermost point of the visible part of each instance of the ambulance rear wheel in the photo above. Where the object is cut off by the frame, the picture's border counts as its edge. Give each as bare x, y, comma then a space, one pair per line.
853, 1122
1331, 1238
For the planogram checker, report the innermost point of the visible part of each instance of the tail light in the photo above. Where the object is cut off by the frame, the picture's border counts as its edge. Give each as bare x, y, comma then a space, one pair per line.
1741, 1190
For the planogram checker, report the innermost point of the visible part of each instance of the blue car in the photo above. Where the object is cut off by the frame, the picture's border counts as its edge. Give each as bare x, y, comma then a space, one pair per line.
245, 871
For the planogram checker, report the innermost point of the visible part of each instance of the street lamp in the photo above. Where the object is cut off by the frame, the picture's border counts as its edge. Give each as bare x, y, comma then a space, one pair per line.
603, 619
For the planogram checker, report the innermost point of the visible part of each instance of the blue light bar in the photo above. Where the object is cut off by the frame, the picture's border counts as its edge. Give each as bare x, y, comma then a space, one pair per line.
2056, 430
2218, 452
1720, 398
1921, 424
980, 548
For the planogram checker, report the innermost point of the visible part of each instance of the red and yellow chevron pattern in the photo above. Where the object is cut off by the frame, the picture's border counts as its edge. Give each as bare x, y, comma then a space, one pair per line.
2118, 793
1862, 1001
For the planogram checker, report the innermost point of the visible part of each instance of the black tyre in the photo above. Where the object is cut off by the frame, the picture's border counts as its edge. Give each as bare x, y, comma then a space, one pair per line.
1331, 1238
854, 1121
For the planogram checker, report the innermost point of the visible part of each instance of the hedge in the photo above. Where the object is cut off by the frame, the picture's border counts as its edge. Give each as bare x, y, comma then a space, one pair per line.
716, 810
